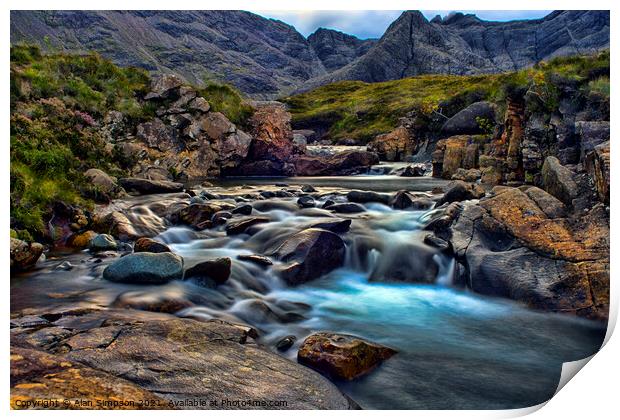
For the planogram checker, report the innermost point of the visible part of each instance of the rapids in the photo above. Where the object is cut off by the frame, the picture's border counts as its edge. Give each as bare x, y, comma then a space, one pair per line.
457, 350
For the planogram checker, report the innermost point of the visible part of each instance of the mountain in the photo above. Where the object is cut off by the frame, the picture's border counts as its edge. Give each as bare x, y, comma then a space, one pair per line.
337, 49
262, 57
266, 58
464, 45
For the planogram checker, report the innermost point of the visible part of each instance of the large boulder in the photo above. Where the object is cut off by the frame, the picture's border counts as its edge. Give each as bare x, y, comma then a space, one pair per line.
238, 226
598, 166
309, 254
165, 86
197, 214
211, 272
272, 134
158, 135
106, 183
558, 180
357, 196
145, 268
453, 153
170, 361
24, 255
233, 148
150, 245
461, 191
475, 119
148, 186
343, 163
341, 356
393, 146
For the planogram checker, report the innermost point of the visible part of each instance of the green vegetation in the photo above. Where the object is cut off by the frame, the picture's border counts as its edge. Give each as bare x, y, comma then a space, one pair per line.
363, 110
57, 102
227, 100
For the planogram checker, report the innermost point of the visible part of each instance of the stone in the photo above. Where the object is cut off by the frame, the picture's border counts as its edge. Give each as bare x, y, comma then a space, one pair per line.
467, 175
414, 171
346, 208
199, 104
147, 186
103, 242
165, 86
238, 226
256, 259
393, 146
402, 200
367, 197
558, 181
80, 240
145, 268
308, 188
550, 205
341, 356
101, 180
233, 149
436, 242
166, 302
150, 245
344, 163
215, 271
244, 209
461, 191
158, 135
305, 202
196, 214
310, 254
332, 224
271, 133
471, 120
286, 343
116, 224
598, 166
24, 255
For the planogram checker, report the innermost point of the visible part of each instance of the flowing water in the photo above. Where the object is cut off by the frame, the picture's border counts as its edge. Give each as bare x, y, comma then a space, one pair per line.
456, 349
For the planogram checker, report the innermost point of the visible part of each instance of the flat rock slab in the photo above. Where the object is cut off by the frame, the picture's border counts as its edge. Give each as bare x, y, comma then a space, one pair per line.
148, 186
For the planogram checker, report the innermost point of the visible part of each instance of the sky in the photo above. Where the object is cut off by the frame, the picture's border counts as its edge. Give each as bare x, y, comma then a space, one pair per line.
373, 23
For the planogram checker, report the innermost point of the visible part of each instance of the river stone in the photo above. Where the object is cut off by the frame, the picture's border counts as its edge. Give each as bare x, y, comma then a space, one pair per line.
24, 255
238, 226
244, 209
147, 186
215, 271
167, 302
180, 360
196, 214
305, 202
558, 180
333, 225
103, 242
308, 188
461, 191
80, 240
346, 208
367, 197
256, 259
150, 245
145, 268
341, 356
286, 343
310, 254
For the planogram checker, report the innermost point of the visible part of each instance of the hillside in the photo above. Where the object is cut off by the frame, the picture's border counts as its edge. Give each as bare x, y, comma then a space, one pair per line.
359, 110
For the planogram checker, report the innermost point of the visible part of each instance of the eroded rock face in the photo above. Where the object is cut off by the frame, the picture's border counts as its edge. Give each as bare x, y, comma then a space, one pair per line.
24, 255
393, 146
145, 268
129, 349
471, 120
272, 134
342, 356
310, 254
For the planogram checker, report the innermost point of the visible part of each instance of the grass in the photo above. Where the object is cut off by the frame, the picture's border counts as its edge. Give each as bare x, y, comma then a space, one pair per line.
352, 109
227, 100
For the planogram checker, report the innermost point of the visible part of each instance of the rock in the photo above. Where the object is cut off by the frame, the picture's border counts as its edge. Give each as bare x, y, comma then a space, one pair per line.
308, 188
103, 242
164, 87
309, 254
469, 175
256, 259
393, 146
305, 202
550, 205
116, 224
80, 240
101, 180
192, 354
215, 271
333, 225
44, 380
197, 214
150, 245
343, 163
158, 135
598, 166
346, 208
461, 191
272, 134
233, 148
558, 181
24, 255
199, 104
167, 302
340, 356
413, 171
244, 209
147, 186
328, 203
238, 226
367, 197
64, 266
286, 343
453, 153
145, 268
436, 242
592, 134
471, 120
401, 200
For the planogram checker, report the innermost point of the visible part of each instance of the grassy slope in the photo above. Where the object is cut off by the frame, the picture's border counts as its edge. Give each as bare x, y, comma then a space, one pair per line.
362, 110
58, 103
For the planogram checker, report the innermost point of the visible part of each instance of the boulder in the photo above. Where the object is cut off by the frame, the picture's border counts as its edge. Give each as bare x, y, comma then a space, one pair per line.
393, 146
332, 224
286, 343
116, 224
103, 242
367, 197
343, 163
414, 171
598, 166
147, 186
145, 268
341, 356
402, 200
256, 259
305, 202
346, 208
101, 180
308, 188
165, 86
238, 226
472, 120
550, 205
80, 240
158, 135
24, 255
168, 302
150, 245
196, 214
461, 191
212, 272
558, 181
310, 254
272, 134
244, 209
199, 104
233, 148
467, 175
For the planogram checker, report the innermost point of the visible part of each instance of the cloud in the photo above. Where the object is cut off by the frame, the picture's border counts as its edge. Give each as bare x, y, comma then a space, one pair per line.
373, 23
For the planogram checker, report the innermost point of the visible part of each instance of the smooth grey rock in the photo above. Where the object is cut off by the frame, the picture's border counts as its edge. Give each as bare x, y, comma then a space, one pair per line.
145, 268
